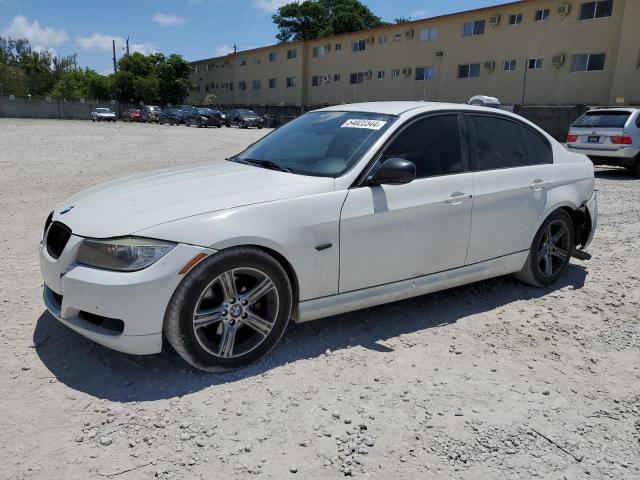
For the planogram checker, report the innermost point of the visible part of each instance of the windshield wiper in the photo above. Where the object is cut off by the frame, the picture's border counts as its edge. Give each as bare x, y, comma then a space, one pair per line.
267, 164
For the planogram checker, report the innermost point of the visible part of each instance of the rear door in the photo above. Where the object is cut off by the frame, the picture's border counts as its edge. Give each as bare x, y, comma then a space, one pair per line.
513, 172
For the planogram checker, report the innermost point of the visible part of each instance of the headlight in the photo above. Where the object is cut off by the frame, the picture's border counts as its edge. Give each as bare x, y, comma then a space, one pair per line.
122, 254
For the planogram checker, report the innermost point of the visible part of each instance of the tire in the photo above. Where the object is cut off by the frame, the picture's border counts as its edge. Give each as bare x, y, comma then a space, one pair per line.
198, 123
259, 127
536, 270
186, 123
93, 120
635, 168
228, 125
202, 289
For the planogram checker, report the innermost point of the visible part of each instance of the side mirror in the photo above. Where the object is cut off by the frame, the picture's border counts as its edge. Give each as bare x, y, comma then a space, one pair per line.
393, 171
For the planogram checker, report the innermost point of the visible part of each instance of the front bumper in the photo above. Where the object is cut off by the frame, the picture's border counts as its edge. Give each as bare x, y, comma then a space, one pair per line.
136, 299
256, 122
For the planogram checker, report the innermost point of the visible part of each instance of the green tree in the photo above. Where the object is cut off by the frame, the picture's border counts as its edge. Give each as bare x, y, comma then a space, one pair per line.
317, 18
173, 77
83, 84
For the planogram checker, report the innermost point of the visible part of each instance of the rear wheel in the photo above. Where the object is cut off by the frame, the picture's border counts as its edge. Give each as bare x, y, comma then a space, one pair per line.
230, 310
550, 251
635, 168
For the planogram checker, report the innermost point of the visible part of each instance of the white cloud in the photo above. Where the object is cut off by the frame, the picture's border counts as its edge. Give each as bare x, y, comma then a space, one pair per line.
418, 14
101, 41
168, 20
37, 35
270, 6
222, 50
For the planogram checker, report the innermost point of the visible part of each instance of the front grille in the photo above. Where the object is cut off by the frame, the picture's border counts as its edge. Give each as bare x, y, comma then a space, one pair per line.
57, 238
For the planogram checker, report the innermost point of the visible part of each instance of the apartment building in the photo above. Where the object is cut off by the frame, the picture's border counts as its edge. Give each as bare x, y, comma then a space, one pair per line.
540, 52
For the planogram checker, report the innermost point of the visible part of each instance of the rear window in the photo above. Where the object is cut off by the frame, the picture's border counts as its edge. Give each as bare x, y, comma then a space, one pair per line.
610, 119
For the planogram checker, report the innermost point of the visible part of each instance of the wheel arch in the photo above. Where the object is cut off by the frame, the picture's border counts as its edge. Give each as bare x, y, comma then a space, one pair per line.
579, 216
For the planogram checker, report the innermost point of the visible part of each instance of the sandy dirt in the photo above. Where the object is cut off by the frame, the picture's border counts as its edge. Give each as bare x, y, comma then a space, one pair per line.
492, 380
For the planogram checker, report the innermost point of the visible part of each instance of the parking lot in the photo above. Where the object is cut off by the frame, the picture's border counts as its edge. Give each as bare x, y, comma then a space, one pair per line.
491, 380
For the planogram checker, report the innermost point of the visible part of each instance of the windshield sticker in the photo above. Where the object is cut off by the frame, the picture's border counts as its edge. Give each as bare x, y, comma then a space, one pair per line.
370, 124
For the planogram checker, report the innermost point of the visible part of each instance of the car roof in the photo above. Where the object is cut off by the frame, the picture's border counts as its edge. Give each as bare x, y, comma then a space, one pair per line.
614, 109
398, 108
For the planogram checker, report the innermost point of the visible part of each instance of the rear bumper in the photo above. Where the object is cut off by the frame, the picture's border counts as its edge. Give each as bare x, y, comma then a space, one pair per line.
613, 156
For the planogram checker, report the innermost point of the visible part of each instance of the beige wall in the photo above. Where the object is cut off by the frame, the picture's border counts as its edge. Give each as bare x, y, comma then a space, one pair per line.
617, 36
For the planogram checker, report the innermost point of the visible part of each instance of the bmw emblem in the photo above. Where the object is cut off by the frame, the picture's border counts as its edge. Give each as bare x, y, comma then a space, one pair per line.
66, 210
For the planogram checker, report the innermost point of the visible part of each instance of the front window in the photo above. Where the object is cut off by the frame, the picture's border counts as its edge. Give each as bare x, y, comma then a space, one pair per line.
598, 9
608, 119
103, 110
247, 113
206, 111
324, 144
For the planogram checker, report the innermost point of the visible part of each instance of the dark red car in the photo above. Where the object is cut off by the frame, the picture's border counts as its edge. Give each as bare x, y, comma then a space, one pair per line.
131, 115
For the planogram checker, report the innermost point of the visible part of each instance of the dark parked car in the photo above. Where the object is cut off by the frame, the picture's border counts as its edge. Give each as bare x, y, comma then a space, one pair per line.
172, 116
244, 118
204, 117
131, 115
150, 113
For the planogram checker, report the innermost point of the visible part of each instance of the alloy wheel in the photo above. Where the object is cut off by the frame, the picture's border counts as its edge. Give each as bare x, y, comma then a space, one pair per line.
236, 312
554, 248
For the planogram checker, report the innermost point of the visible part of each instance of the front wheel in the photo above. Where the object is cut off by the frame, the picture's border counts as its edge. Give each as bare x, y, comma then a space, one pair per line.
230, 310
550, 251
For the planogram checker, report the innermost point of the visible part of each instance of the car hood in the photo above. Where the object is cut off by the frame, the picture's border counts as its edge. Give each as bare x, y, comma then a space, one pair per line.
123, 207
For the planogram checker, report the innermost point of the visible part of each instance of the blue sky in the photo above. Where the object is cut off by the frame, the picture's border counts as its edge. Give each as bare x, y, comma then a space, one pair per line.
193, 28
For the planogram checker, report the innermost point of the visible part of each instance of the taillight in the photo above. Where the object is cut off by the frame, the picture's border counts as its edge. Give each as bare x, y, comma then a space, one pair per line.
622, 140
572, 138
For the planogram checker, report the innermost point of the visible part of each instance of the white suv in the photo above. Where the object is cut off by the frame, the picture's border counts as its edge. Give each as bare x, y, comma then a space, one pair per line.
609, 136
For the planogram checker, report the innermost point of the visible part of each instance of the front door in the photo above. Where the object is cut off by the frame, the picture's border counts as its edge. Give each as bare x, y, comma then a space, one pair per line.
390, 233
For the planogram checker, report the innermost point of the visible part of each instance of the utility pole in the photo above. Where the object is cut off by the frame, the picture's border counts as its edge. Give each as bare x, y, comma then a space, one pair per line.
524, 83
127, 46
115, 66
235, 47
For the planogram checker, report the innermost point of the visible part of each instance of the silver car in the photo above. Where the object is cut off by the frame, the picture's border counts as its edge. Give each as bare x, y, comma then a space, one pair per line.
103, 115
609, 136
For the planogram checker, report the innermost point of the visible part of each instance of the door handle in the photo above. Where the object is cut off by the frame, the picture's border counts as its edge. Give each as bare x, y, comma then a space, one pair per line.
458, 198
538, 185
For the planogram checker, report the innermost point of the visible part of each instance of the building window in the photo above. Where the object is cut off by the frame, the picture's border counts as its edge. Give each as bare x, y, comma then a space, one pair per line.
273, 56
357, 77
273, 82
397, 37
535, 64
473, 28
257, 60
424, 73
428, 35
292, 53
382, 39
598, 9
515, 19
319, 80
471, 70
338, 47
242, 85
358, 45
255, 84
336, 77
509, 65
588, 62
380, 74
291, 82
542, 15
242, 62
195, 69
318, 51
395, 73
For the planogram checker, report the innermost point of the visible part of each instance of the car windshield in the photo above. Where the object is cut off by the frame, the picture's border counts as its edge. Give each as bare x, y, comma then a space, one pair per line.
325, 144
206, 111
247, 112
154, 109
103, 110
610, 119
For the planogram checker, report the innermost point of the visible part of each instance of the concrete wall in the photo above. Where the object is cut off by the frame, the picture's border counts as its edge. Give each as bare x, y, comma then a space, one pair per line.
554, 120
51, 107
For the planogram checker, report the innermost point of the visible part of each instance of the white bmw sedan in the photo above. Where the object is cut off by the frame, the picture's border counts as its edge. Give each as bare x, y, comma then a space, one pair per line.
343, 208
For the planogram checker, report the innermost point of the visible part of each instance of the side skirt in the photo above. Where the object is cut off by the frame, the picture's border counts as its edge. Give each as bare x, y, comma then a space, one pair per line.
414, 287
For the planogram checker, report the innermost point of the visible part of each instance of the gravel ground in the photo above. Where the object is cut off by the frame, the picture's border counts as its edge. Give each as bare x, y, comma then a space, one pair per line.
491, 380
